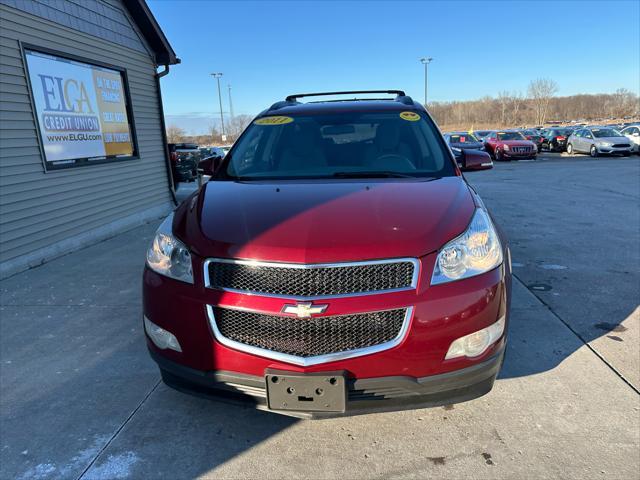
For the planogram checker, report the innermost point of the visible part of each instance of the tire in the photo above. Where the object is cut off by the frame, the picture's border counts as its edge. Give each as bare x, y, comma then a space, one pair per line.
497, 155
593, 151
551, 149
570, 149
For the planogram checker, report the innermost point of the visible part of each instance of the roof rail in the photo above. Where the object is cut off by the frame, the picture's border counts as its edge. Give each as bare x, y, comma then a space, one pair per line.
293, 98
282, 103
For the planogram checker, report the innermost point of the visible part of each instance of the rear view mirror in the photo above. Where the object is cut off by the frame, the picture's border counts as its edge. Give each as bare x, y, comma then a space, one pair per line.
338, 130
473, 160
209, 165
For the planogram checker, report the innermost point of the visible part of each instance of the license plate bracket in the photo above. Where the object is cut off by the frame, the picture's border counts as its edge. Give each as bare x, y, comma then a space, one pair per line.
321, 392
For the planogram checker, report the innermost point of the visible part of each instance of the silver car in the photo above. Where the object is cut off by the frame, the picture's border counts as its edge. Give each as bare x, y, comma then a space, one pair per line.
632, 132
597, 141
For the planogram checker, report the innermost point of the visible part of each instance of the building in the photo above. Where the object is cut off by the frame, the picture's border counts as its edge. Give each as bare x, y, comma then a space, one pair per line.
83, 151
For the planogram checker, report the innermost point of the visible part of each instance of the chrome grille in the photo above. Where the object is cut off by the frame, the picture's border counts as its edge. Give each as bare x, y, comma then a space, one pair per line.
521, 149
311, 280
308, 337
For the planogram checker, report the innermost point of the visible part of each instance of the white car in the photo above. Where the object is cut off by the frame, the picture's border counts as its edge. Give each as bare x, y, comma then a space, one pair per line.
632, 132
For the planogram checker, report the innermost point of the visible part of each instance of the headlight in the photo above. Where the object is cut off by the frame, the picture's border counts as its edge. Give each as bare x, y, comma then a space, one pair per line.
604, 144
506, 147
169, 256
476, 251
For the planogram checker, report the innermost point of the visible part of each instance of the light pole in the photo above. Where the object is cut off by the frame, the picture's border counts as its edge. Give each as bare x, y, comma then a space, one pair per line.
230, 103
425, 61
217, 76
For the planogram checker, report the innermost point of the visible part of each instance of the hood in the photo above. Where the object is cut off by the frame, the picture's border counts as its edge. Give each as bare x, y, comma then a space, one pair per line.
324, 221
612, 139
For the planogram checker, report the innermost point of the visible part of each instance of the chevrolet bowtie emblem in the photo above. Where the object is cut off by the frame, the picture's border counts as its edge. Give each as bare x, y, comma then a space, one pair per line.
304, 309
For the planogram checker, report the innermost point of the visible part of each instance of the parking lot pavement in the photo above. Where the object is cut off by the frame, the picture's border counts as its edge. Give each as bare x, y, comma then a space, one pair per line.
81, 399
574, 227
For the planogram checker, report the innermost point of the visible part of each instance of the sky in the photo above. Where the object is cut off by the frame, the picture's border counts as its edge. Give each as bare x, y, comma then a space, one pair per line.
267, 50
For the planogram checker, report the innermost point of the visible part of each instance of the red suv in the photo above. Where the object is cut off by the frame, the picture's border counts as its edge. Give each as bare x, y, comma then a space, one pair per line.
510, 145
336, 263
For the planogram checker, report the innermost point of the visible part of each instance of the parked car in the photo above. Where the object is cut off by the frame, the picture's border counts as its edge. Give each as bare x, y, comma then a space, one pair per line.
480, 134
599, 140
555, 139
212, 151
336, 254
534, 136
509, 145
184, 161
633, 134
463, 141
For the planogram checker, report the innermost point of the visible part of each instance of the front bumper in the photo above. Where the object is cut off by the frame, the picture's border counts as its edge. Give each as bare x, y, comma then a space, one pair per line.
613, 150
369, 395
526, 155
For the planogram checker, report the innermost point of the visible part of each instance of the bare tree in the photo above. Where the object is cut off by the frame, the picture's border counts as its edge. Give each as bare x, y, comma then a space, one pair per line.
237, 124
540, 92
515, 101
504, 99
175, 134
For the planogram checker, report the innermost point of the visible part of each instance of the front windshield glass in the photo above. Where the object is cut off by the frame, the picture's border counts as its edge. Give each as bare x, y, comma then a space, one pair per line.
605, 132
510, 136
462, 138
339, 145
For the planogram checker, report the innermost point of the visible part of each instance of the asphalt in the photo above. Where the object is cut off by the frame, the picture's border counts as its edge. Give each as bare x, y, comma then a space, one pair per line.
80, 398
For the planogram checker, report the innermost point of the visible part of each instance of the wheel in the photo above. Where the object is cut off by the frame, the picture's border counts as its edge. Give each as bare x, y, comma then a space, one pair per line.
551, 149
498, 155
594, 151
570, 149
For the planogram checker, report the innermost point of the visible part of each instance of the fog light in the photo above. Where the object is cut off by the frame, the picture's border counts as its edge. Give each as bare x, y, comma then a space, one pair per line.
161, 338
476, 343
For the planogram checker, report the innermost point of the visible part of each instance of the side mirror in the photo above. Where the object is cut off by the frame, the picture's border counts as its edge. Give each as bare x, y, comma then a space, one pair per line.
473, 160
636, 134
209, 165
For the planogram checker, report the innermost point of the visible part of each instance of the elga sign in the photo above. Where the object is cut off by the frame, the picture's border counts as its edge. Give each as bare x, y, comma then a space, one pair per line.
81, 110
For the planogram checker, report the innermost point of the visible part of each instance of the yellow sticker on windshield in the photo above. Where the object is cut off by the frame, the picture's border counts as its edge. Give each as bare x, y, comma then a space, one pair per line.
279, 120
410, 116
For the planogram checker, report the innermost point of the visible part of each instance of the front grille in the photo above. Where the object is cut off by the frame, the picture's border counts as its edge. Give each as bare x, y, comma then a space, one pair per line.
521, 149
286, 280
621, 145
309, 337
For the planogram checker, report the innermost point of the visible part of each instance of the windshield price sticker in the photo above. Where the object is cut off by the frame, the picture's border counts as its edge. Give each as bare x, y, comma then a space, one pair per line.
410, 116
279, 120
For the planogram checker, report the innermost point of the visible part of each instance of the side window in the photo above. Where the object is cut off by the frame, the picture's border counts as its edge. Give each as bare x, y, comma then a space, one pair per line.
587, 134
245, 156
579, 133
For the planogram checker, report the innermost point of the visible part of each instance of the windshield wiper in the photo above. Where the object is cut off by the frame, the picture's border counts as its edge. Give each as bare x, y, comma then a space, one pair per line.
372, 174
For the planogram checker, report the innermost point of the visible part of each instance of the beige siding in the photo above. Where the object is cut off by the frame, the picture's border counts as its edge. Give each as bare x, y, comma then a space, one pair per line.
38, 209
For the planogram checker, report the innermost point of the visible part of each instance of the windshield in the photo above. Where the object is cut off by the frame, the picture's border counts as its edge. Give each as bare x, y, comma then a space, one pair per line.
462, 138
340, 145
510, 136
605, 132
530, 132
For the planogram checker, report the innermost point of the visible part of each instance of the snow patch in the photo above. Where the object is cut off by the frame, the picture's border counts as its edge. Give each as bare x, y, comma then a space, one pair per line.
115, 467
553, 266
39, 472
